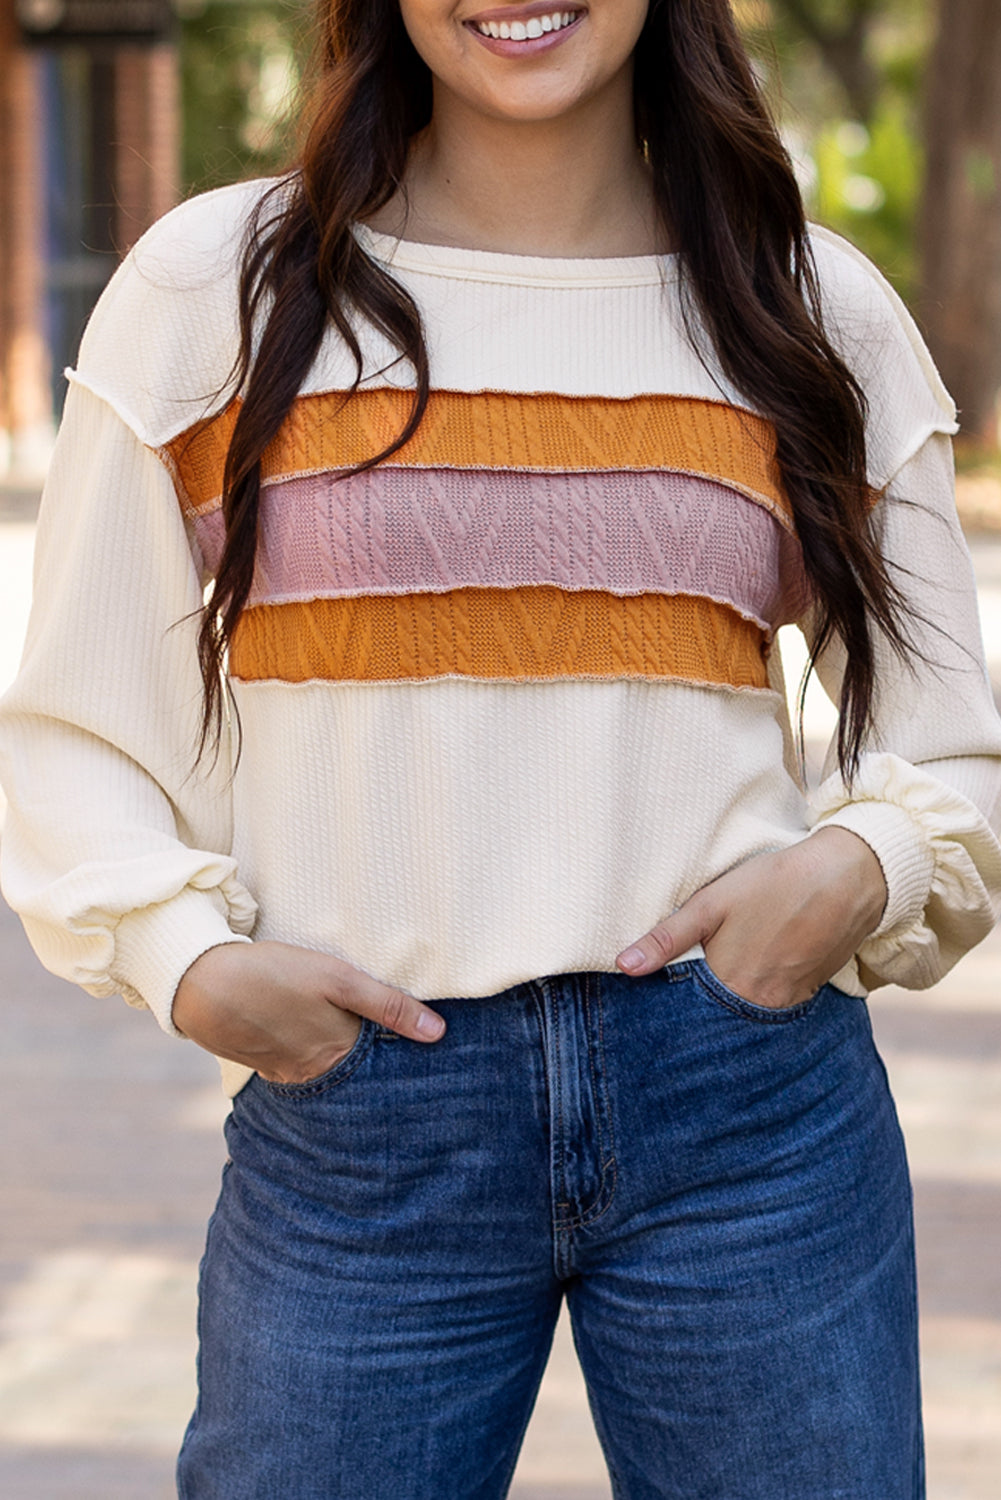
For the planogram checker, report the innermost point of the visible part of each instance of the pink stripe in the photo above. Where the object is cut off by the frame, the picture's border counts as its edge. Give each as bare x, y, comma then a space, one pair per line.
399, 531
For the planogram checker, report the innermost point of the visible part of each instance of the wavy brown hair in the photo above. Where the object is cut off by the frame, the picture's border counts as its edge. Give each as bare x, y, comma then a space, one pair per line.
727, 196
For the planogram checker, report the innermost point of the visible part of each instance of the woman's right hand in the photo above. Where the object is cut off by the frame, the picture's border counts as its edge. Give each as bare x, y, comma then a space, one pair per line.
289, 1013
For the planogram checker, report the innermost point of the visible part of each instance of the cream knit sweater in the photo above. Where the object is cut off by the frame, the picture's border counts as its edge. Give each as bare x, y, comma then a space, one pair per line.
507, 699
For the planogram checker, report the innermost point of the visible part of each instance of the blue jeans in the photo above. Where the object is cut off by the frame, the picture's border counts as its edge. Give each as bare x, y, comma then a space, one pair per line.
719, 1191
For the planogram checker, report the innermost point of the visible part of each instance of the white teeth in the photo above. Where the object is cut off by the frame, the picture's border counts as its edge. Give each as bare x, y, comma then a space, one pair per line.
527, 31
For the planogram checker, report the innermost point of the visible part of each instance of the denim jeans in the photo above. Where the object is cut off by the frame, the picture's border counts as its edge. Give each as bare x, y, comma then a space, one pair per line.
719, 1191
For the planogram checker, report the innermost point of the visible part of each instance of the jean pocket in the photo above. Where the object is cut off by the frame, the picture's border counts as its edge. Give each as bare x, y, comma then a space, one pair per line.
339, 1073
767, 1015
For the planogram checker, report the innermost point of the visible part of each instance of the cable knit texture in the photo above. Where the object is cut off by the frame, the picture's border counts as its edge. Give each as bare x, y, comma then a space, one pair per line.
506, 699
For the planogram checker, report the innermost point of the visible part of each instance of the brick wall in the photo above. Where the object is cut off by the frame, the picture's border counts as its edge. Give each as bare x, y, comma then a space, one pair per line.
144, 153
25, 404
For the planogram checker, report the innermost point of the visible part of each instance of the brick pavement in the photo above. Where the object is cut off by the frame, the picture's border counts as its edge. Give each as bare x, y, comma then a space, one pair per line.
112, 1152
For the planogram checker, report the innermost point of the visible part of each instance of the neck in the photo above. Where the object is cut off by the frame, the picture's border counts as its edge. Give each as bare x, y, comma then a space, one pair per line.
572, 186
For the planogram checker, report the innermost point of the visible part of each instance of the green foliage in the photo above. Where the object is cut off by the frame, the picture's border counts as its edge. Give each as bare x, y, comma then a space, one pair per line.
861, 175
241, 71
868, 185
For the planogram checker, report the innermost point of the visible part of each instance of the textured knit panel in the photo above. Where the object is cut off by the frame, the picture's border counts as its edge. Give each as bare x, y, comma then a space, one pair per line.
459, 836
541, 432
394, 531
520, 634
452, 835
550, 456
487, 311
519, 323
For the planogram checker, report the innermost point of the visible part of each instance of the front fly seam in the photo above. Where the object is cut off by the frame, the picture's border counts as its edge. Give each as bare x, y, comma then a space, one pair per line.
607, 1166
552, 1053
599, 1074
560, 1135
603, 1111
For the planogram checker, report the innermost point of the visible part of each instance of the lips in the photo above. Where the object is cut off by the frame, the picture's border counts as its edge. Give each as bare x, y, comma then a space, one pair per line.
532, 27
533, 9
522, 26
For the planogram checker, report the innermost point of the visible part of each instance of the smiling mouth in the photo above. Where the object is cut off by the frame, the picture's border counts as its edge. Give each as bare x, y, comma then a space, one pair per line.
529, 30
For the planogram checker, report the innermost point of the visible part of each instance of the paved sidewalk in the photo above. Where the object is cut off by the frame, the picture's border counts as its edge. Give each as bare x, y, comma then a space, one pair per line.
111, 1158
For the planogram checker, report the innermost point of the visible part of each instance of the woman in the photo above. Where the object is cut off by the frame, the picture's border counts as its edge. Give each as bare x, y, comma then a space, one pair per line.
507, 432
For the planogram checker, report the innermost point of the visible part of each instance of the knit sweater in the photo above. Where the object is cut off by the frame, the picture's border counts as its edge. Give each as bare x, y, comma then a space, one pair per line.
510, 697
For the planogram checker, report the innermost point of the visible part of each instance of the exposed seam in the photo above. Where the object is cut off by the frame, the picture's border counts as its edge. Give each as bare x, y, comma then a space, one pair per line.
609, 1167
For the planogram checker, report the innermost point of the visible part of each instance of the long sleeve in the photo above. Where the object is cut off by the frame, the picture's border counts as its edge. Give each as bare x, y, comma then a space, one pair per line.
116, 846
927, 796
483, 686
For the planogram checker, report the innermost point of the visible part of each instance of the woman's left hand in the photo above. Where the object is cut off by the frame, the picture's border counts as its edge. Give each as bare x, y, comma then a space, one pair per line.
777, 927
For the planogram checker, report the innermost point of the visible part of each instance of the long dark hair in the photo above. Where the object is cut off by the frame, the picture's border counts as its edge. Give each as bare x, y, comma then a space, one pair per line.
727, 195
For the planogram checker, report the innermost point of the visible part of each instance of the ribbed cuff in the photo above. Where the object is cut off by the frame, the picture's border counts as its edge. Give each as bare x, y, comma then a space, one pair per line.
904, 853
156, 945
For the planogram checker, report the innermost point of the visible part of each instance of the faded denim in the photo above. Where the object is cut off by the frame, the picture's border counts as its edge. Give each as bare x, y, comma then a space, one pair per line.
719, 1191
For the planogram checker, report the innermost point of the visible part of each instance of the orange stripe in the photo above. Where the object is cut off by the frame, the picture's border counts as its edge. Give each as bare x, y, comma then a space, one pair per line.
519, 634
498, 430
197, 459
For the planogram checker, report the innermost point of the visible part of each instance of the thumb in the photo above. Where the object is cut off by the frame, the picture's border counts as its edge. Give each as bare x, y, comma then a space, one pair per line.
689, 925
389, 1007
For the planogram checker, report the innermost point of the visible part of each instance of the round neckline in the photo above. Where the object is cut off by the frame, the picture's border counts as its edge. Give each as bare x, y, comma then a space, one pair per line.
456, 261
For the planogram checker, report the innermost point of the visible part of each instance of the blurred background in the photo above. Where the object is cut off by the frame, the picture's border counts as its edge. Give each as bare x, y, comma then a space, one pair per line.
110, 1146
